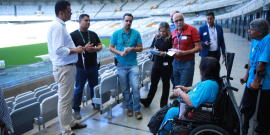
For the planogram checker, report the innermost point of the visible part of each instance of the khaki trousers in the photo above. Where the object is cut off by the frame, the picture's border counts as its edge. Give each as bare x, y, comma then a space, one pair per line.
65, 76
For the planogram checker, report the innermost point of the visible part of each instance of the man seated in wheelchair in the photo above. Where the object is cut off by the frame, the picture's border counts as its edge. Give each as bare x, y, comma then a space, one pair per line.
204, 91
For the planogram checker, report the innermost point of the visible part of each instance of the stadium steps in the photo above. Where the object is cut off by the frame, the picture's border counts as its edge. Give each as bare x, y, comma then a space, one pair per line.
100, 9
161, 2
83, 6
150, 25
15, 10
120, 7
139, 6
124, 4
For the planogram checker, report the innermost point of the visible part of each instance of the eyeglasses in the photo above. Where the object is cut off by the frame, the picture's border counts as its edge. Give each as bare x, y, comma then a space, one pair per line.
179, 20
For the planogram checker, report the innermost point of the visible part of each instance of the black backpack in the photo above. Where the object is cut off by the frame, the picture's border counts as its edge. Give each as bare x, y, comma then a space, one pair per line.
158, 117
225, 114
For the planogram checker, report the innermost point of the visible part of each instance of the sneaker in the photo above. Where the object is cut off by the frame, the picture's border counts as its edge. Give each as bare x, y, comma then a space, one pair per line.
138, 115
173, 96
130, 113
77, 115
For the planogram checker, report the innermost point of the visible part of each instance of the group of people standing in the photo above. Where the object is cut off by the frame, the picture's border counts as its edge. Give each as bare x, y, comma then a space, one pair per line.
185, 40
74, 60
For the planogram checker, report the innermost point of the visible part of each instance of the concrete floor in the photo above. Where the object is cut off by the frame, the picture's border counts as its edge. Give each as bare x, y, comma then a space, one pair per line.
97, 124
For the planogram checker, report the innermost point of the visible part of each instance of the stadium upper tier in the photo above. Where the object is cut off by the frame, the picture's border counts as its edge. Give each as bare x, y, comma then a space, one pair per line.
117, 9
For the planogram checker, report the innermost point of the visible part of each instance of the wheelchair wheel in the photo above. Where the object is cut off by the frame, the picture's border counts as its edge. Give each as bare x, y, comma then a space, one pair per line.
208, 129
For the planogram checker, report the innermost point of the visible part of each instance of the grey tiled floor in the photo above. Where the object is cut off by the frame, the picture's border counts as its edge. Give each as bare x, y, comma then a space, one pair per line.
122, 124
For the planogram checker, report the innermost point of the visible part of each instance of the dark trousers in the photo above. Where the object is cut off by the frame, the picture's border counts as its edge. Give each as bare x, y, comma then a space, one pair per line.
172, 80
90, 75
249, 106
165, 74
214, 54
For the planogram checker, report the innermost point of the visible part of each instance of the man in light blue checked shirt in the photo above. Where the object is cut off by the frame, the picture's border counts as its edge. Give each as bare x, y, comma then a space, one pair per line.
5, 120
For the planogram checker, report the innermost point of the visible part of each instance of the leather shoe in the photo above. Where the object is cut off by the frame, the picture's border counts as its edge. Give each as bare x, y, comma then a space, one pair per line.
72, 134
78, 126
143, 102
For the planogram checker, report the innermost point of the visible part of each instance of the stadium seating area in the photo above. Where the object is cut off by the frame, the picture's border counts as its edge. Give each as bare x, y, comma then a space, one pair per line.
137, 8
42, 102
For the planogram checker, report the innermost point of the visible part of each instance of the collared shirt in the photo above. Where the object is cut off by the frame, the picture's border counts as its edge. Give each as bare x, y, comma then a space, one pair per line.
189, 37
260, 52
213, 38
135, 38
60, 43
173, 27
4, 112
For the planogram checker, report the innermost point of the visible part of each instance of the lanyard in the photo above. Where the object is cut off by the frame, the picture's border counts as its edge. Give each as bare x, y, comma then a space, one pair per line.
82, 36
126, 45
179, 38
213, 32
84, 43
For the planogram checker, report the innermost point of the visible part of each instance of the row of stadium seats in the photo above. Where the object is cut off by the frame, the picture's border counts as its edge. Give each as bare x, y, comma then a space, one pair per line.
108, 9
40, 105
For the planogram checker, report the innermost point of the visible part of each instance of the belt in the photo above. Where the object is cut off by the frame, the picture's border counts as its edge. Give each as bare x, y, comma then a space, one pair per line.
183, 60
70, 64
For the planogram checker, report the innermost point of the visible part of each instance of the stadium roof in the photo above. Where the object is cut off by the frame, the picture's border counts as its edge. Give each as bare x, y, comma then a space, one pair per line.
50, 2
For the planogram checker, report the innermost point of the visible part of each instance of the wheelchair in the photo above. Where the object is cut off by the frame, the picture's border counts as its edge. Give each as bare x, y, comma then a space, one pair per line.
202, 121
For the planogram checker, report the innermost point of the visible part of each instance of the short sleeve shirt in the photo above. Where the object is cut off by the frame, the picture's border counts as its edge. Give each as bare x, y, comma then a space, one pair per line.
204, 91
90, 59
117, 39
189, 37
260, 52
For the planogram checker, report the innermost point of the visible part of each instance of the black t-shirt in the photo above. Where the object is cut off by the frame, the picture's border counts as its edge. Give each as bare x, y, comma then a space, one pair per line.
162, 45
90, 59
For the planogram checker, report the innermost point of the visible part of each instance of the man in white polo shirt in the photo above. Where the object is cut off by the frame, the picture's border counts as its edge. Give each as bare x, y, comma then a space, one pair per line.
63, 55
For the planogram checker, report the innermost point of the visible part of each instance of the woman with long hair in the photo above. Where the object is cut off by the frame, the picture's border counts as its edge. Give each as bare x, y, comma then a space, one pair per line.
162, 66
204, 91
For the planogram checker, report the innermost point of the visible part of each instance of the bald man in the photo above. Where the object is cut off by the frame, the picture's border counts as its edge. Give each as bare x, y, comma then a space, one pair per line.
186, 42
173, 27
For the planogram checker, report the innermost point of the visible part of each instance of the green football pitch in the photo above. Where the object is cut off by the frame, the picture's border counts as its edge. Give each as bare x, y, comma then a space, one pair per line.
25, 54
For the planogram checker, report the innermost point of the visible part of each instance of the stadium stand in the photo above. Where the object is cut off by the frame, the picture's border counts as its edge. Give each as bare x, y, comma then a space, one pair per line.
7, 10
92, 8
26, 10
130, 6
111, 7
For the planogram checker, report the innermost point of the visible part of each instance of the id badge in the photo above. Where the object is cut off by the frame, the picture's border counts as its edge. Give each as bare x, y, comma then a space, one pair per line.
165, 64
184, 37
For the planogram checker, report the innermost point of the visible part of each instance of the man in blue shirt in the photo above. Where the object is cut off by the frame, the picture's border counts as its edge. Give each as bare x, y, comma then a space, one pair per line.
173, 27
125, 43
259, 59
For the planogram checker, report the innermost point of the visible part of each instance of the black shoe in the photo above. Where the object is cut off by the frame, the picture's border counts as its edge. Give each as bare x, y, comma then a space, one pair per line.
143, 102
173, 96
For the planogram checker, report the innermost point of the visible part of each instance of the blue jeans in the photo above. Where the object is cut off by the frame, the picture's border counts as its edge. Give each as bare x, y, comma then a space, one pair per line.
128, 74
90, 74
174, 111
183, 72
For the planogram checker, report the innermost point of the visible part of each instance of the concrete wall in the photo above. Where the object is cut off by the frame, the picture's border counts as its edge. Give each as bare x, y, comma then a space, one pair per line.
28, 87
